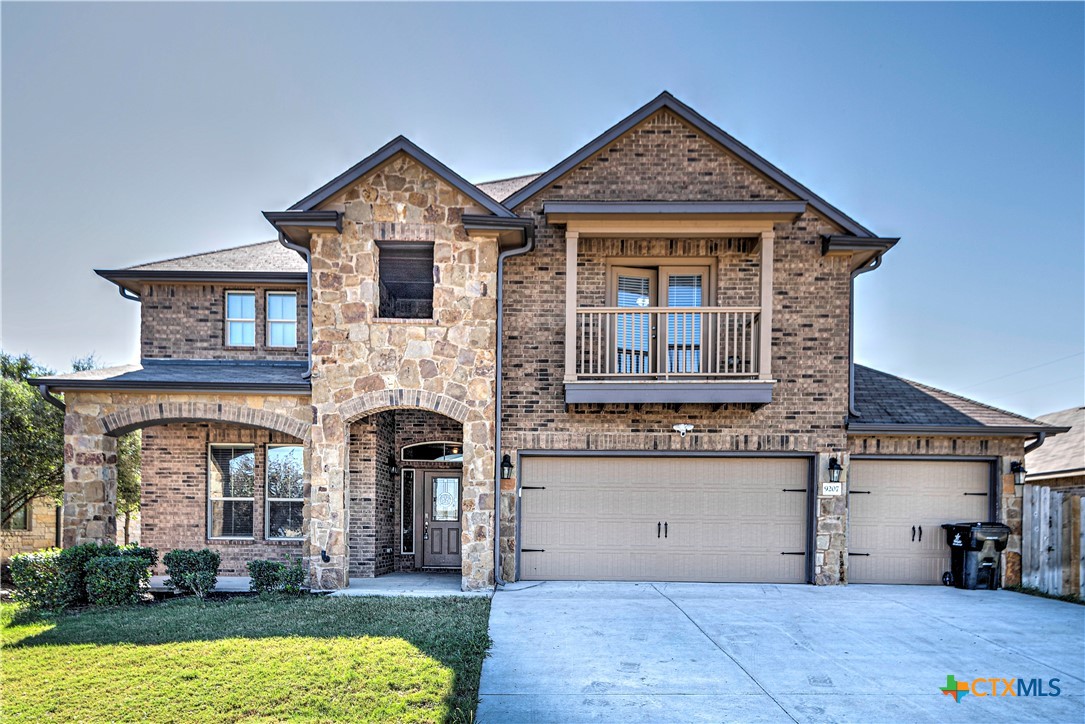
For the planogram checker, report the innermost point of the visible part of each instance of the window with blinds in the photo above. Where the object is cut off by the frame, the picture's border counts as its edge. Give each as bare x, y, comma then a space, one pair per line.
684, 328
231, 481
406, 276
284, 497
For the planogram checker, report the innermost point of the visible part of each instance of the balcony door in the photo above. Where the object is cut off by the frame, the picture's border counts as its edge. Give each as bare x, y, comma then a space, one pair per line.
656, 339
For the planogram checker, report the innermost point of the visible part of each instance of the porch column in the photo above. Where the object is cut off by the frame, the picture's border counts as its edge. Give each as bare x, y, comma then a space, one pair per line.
90, 483
765, 349
830, 532
571, 239
1010, 509
327, 538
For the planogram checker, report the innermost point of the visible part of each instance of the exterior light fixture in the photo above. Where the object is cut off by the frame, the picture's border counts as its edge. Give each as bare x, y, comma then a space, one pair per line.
506, 466
1018, 470
834, 470
392, 465
683, 428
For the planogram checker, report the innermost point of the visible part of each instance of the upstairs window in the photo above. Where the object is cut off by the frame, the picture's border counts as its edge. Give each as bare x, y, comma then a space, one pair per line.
19, 520
231, 480
406, 280
284, 492
282, 319
241, 319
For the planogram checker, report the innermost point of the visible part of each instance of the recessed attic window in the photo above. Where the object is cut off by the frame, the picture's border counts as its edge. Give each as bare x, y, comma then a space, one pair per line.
406, 280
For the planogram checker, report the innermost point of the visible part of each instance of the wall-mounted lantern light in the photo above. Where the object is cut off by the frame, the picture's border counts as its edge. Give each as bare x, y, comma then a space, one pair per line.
506, 466
1018, 470
392, 466
834, 470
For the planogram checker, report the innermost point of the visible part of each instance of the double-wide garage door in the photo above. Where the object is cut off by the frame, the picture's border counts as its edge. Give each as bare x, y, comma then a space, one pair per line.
664, 519
895, 512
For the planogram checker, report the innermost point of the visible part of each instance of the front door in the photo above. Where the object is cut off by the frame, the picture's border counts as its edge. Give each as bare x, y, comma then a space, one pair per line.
441, 520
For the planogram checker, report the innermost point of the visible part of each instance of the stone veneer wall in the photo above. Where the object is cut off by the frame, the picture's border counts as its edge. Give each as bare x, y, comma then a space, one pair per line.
664, 159
41, 531
174, 488
1004, 450
188, 321
364, 364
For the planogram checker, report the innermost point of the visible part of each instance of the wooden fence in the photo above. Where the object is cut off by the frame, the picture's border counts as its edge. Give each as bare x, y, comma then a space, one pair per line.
1052, 540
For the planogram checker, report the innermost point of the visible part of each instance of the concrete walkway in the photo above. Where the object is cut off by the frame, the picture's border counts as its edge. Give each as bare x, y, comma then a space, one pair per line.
224, 584
428, 585
573, 652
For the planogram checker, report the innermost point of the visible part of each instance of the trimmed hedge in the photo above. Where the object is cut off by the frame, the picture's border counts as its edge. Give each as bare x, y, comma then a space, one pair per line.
116, 580
276, 577
192, 571
37, 580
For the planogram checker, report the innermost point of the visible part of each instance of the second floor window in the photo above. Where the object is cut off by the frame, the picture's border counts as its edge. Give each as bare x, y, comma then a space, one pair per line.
230, 481
282, 319
406, 279
241, 319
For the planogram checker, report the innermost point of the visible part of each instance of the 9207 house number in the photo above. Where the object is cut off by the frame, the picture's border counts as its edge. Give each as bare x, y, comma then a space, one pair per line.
832, 488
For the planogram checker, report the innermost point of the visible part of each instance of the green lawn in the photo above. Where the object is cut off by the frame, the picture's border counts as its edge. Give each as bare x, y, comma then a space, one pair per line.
247, 659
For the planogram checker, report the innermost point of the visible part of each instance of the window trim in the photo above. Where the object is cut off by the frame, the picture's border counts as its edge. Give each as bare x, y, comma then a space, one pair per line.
699, 263
403, 511
227, 318
390, 244
268, 500
211, 501
269, 321
27, 519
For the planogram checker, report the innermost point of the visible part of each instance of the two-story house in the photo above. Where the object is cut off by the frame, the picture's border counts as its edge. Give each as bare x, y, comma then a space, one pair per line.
637, 365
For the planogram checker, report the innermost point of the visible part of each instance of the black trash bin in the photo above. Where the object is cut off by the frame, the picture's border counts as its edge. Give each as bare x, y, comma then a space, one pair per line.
975, 553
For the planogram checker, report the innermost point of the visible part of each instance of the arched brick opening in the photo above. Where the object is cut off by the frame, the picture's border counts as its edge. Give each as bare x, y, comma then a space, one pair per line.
162, 413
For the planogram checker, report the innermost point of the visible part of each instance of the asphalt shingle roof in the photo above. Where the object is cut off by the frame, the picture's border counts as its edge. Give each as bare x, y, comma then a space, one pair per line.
503, 188
1064, 452
265, 256
885, 399
199, 374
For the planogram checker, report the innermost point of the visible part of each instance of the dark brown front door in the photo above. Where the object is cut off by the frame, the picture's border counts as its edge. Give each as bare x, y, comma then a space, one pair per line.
441, 520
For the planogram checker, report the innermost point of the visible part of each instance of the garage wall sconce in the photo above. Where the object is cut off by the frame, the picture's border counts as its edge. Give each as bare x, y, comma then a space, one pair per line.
506, 466
834, 470
1018, 471
683, 428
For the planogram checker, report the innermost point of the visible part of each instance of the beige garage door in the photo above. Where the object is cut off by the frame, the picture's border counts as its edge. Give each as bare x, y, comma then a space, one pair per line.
664, 519
895, 512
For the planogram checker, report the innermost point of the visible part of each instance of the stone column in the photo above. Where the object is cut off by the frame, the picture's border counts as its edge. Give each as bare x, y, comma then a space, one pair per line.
830, 541
327, 507
477, 537
90, 484
1010, 511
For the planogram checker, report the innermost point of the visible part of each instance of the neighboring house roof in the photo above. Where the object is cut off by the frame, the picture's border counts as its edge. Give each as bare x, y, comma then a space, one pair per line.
890, 404
256, 376
503, 188
702, 124
1063, 455
400, 144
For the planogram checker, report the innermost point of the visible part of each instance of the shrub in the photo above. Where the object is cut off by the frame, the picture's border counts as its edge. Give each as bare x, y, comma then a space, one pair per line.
116, 580
73, 569
148, 554
276, 576
192, 571
37, 580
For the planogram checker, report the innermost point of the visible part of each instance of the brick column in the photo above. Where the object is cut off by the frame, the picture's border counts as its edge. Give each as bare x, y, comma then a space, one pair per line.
90, 484
830, 541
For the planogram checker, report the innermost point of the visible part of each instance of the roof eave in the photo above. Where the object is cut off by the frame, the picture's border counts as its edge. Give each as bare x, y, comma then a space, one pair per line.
61, 385
977, 430
717, 134
298, 226
400, 144
126, 277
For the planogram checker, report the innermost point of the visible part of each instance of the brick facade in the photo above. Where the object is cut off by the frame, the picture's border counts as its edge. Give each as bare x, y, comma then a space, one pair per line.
188, 321
175, 486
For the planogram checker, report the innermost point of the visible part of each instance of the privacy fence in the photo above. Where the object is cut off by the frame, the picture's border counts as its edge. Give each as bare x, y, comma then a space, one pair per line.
1052, 540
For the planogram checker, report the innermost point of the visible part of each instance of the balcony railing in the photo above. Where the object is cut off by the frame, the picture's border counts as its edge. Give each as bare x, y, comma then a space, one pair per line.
667, 343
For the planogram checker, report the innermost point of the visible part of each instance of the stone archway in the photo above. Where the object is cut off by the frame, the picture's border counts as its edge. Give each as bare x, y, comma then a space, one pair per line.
373, 402
160, 413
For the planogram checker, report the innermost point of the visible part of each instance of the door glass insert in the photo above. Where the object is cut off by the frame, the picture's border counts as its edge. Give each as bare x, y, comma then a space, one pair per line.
446, 499
633, 334
684, 329
406, 512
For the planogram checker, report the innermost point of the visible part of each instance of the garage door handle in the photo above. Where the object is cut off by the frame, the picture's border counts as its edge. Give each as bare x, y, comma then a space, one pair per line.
659, 526
920, 534
982, 495
664, 530
913, 534
860, 492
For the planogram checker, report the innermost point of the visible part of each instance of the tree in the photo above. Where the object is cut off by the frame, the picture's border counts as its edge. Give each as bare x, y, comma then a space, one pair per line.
31, 438
32, 443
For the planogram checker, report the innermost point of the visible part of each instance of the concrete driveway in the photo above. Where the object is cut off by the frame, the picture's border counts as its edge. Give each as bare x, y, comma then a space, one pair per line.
570, 652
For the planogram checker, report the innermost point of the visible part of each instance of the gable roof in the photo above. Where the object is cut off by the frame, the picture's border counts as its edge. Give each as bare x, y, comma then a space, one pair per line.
702, 124
1064, 454
893, 405
400, 144
262, 256
502, 188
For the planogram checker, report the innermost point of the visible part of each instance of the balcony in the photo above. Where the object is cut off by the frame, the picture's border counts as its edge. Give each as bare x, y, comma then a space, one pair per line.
668, 355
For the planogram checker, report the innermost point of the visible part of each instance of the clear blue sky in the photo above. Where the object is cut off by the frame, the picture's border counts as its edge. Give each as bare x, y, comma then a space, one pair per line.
135, 132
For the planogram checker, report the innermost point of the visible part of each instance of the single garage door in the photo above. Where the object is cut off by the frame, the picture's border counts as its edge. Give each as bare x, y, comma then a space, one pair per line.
664, 519
895, 512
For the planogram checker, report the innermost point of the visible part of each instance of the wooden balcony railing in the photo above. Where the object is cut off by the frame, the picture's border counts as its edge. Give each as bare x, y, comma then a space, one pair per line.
667, 343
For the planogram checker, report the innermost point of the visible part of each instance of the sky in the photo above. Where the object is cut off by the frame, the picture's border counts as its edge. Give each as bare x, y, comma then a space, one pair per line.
134, 132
